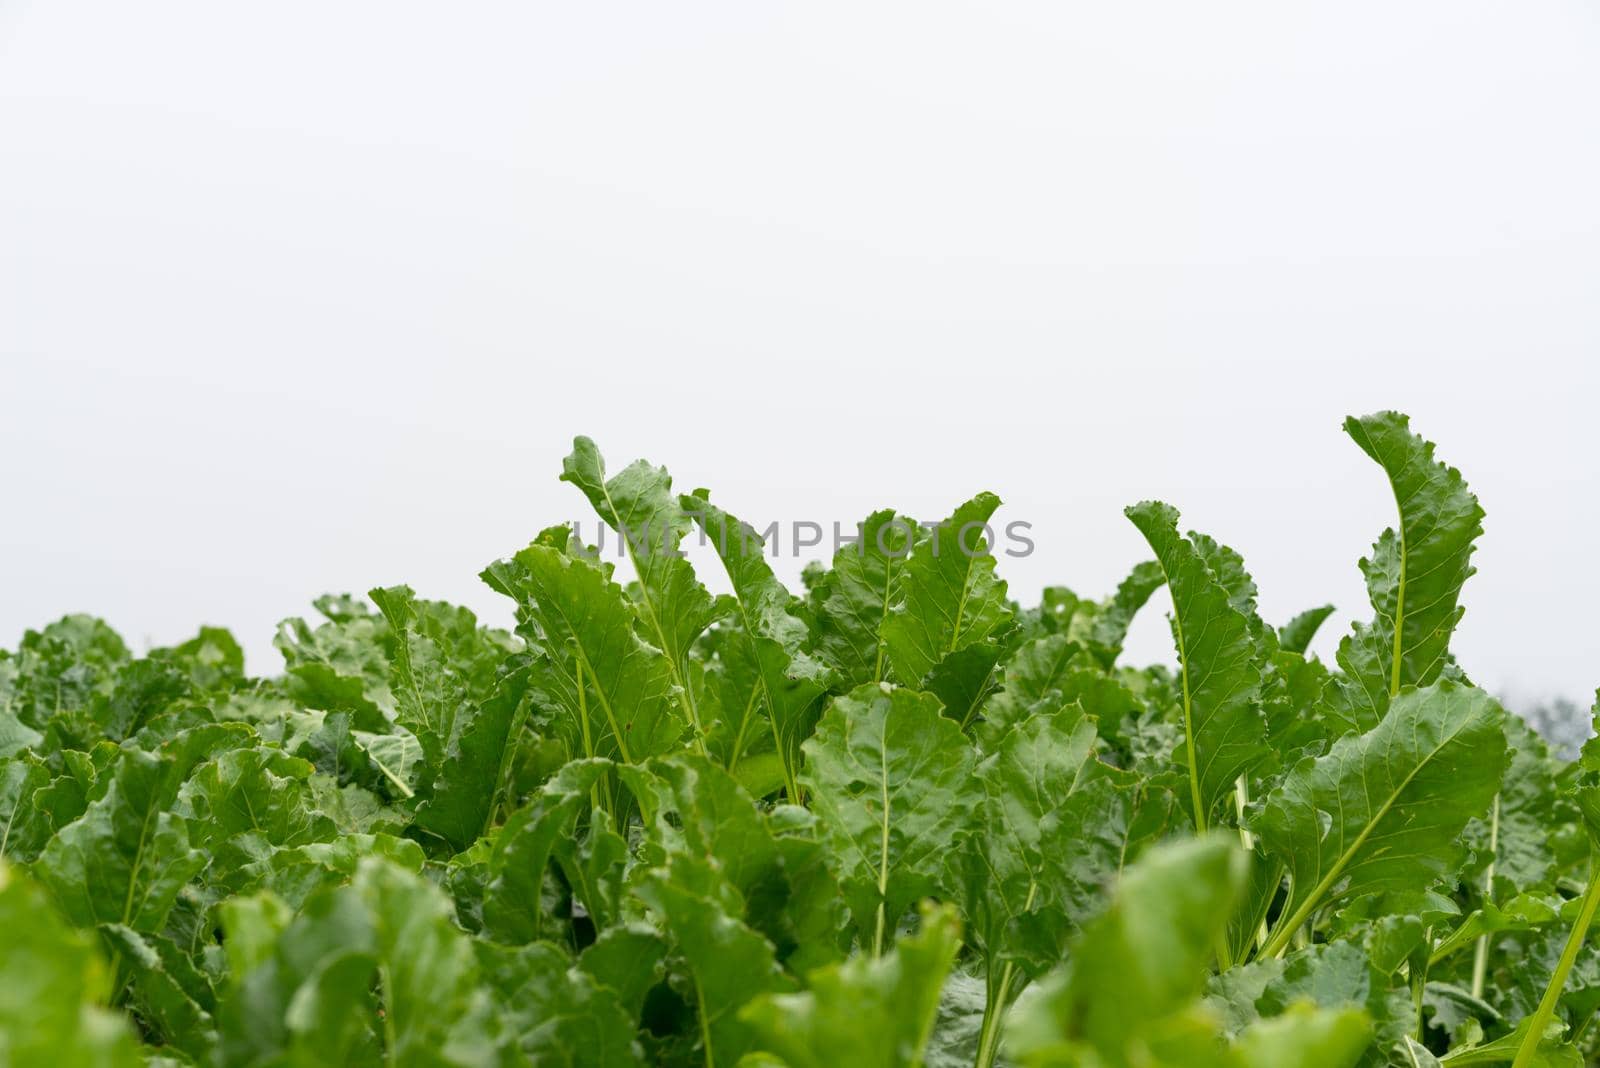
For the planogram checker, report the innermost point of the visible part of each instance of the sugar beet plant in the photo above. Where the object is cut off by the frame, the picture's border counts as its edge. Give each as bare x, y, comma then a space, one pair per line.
896, 819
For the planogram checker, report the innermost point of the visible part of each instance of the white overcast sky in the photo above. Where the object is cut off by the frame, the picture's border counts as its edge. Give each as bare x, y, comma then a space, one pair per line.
299, 297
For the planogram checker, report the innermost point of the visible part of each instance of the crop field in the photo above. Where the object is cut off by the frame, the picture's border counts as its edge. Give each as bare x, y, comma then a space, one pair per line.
893, 818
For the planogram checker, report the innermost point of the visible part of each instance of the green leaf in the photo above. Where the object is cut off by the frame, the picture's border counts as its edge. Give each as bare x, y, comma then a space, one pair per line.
705, 812
1528, 1046
640, 506
1305, 1037
1530, 1049
728, 963
24, 828
770, 861
1018, 907
593, 864
141, 692
15, 735
791, 682
1033, 679
299, 872
1139, 963
1113, 816
475, 777
958, 1027
431, 698
1224, 731
172, 998
1332, 976
1110, 626
871, 1012
513, 909
964, 680
891, 780
398, 759
615, 689
127, 857
1028, 838
858, 594
66, 796
245, 803
60, 670
51, 978
374, 973
810, 930
1060, 611
952, 597
1525, 912
627, 960
1585, 782
1294, 700
1414, 576
1295, 635
556, 1010
251, 924
1525, 813
212, 659
1385, 810
732, 700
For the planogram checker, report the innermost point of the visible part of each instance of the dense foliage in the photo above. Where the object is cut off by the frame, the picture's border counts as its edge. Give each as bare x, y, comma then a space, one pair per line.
896, 820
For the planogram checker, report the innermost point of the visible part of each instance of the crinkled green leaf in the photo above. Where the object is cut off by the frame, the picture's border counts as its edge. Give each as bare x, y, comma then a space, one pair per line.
24, 827
1029, 834
431, 694
615, 689
125, 859
475, 776
1385, 810
1330, 976
638, 503
1033, 679
173, 1000
297, 873
557, 1012
60, 669
213, 659
1414, 575
245, 803
1019, 909
1224, 731
858, 594
1522, 817
374, 973
781, 876
141, 691
892, 782
513, 909
728, 964
953, 599
791, 682
1294, 700
739, 730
